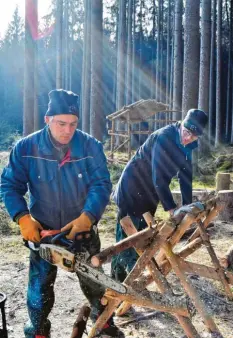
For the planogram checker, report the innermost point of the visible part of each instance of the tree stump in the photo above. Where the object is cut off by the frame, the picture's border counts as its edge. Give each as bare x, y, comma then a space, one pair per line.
223, 181
226, 197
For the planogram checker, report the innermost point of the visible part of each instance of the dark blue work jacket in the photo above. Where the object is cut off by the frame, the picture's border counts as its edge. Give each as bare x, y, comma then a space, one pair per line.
57, 194
146, 178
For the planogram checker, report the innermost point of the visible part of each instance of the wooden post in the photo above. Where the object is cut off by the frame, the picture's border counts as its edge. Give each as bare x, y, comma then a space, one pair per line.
112, 139
158, 277
129, 135
103, 318
174, 261
210, 216
215, 260
226, 198
184, 225
223, 181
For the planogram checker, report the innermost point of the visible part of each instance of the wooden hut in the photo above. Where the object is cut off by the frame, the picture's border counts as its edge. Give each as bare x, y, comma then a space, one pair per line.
121, 123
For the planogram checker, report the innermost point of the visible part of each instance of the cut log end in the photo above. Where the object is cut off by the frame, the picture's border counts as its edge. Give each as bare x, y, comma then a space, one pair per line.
227, 260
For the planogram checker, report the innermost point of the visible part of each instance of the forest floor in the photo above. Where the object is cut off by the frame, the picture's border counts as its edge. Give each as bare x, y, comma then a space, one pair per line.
69, 298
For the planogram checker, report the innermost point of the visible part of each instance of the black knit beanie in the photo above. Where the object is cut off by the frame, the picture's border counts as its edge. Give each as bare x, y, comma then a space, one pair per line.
62, 102
195, 121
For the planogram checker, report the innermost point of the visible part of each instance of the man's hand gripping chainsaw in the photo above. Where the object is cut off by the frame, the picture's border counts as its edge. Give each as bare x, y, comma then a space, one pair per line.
73, 256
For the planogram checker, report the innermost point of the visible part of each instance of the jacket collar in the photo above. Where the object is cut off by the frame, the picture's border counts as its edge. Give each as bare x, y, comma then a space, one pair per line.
46, 146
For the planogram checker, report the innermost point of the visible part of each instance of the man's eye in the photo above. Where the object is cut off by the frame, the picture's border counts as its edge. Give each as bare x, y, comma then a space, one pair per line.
73, 125
61, 124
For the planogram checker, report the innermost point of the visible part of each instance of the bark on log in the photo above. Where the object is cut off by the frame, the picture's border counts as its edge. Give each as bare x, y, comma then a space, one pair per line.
226, 198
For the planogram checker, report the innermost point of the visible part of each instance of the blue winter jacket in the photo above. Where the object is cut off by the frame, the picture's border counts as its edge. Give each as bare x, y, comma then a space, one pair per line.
57, 194
146, 178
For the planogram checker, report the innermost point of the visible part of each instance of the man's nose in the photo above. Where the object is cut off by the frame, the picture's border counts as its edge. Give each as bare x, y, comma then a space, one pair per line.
68, 129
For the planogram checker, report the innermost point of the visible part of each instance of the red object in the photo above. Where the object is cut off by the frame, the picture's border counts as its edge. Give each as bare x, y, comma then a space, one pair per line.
46, 233
32, 21
38, 336
66, 158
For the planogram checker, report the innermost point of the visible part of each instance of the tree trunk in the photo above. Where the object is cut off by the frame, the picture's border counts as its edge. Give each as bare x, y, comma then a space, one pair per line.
203, 100
168, 65
218, 135
178, 60
157, 77
66, 43
134, 87
191, 55
212, 92
96, 111
121, 56
129, 54
31, 26
86, 74
229, 79
59, 29
153, 72
161, 67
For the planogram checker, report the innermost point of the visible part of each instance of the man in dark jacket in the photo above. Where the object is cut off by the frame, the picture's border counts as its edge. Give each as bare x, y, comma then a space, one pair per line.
146, 178
65, 173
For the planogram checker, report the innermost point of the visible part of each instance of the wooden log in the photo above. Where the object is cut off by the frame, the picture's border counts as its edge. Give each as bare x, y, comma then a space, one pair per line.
204, 271
103, 318
152, 300
187, 326
223, 181
175, 263
226, 261
81, 322
209, 217
188, 267
148, 218
165, 232
226, 198
190, 248
158, 277
141, 239
184, 225
215, 260
165, 266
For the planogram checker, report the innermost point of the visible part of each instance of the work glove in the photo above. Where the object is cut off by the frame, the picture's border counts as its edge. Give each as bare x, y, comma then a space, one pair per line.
29, 228
188, 208
80, 224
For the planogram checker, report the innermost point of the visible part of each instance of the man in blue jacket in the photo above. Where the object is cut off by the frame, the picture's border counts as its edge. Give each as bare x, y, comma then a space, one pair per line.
65, 173
146, 178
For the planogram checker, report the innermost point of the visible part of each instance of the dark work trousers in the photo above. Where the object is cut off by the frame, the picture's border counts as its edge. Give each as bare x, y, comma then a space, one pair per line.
124, 262
40, 295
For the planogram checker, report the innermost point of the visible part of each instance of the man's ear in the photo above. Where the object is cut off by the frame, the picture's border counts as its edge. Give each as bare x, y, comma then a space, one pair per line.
47, 119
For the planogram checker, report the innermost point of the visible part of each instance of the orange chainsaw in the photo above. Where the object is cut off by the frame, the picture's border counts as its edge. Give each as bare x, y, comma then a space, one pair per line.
73, 256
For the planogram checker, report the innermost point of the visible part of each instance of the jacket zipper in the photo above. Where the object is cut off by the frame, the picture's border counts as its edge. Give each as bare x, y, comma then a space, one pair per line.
60, 195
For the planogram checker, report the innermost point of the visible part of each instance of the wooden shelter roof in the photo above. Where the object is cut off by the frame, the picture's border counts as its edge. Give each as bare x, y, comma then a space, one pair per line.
139, 111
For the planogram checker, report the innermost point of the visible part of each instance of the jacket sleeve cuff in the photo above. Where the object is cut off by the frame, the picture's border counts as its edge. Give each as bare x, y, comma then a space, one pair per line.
90, 216
19, 215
